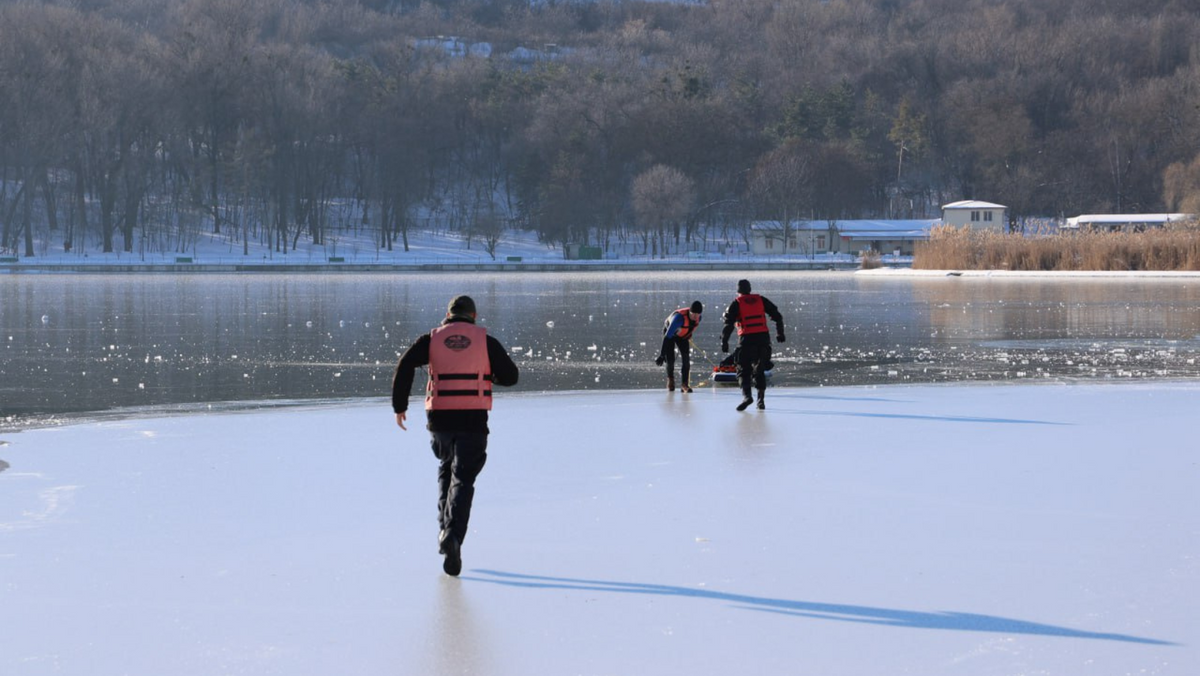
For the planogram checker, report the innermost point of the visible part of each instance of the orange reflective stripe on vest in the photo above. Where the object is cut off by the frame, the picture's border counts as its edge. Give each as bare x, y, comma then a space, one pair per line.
688, 326
460, 373
751, 316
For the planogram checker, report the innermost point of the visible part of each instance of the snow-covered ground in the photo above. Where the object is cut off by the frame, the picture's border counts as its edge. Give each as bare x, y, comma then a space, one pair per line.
425, 248
982, 530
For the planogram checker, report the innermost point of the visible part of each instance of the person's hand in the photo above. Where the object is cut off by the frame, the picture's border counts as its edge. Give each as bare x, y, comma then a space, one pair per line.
400, 418
779, 337
724, 345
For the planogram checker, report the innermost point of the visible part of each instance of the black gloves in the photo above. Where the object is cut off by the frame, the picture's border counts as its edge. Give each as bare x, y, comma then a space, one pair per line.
779, 337
724, 345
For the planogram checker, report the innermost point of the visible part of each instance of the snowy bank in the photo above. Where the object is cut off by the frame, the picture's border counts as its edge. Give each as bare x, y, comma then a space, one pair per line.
928, 529
443, 251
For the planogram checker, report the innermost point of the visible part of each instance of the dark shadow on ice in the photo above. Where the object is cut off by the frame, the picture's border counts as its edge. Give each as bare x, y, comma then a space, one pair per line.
820, 397
912, 619
935, 418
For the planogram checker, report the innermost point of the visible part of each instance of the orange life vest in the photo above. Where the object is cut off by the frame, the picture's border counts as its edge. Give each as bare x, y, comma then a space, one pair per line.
751, 316
688, 326
460, 373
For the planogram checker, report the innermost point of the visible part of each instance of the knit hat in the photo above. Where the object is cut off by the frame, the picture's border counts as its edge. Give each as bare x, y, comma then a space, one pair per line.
743, 286
461, 306
697, 307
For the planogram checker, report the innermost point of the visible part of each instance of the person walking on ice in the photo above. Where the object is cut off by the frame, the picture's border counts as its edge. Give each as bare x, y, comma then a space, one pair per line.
677, 334
748, 314
464, 362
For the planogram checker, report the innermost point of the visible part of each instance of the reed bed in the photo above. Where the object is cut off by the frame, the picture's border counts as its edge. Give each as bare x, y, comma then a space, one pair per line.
1176, 247
870, 260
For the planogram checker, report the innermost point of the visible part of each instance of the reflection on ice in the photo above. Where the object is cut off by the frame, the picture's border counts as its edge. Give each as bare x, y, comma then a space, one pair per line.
146, 340
1091, 344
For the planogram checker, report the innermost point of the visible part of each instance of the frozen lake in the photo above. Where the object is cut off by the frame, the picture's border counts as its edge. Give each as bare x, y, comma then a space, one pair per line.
83, 342
941, 530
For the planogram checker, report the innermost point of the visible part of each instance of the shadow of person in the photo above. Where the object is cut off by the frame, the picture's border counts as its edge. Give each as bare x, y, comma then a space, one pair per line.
913, 619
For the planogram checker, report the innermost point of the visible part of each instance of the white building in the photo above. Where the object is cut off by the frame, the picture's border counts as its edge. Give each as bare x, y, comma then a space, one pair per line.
1132, 222
898, 237
453, 47
811, 238
771, 238
976, 214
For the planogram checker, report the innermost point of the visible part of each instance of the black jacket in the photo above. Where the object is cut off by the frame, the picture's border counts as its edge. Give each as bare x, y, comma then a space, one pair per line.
504, 372
732, 315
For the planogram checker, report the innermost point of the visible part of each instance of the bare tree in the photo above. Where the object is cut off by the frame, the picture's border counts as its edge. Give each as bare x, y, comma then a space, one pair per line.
1181, 187
209, 51
34, 80
663, 197
781, 187
909, 135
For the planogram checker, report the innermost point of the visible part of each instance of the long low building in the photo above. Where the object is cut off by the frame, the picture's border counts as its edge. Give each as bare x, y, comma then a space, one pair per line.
771, 238
1132, 222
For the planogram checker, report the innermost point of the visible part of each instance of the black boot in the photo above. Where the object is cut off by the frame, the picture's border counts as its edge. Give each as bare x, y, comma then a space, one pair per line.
452, 549
761, 403
671, 382
746, 401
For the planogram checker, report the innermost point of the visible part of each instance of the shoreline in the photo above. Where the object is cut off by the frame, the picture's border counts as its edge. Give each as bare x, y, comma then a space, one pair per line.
891, 270
497, 266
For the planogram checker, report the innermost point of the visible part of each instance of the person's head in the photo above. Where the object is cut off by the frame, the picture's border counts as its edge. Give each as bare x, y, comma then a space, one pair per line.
743, 286
461, 307
697, 307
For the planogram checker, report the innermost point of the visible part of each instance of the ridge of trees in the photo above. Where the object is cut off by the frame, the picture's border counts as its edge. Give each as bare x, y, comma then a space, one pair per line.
128, 124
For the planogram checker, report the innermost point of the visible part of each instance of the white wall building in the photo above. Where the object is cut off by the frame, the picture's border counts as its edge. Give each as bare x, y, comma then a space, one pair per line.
1132, 222
771, 238
812, 238
976, 214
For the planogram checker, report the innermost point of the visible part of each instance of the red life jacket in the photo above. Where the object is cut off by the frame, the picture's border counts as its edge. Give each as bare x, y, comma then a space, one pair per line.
688, 326
751, 316
460, 373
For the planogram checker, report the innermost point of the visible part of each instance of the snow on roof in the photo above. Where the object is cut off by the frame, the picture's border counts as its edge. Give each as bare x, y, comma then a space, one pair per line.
1119, 219
907, 225
972, 204
861, 229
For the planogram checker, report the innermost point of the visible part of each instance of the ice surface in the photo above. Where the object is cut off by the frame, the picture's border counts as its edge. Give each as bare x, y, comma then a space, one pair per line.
1028, 529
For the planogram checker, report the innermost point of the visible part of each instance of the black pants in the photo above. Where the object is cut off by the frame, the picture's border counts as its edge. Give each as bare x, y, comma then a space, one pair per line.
752, 365
461, 457
669, 345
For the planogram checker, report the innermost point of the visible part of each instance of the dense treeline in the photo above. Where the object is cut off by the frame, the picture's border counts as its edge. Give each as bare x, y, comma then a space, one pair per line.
130, 124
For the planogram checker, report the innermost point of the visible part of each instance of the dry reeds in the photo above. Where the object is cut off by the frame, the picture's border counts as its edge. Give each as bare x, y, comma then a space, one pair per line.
870, 260
1170, 248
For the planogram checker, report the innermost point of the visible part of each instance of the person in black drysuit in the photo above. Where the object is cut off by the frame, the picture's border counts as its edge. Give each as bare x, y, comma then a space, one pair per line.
462, 372
677, 335
748, 314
